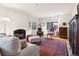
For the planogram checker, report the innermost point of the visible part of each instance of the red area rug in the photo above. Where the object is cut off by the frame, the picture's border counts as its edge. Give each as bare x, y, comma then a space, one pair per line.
53, 47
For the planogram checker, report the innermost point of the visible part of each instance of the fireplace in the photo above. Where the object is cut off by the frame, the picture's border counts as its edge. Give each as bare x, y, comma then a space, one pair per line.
20, 33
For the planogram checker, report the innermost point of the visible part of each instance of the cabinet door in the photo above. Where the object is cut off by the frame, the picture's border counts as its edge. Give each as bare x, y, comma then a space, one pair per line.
70, 33
78, 36
73, 35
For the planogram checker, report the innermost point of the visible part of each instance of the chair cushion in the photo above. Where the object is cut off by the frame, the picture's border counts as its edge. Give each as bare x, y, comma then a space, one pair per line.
10, 46
23, 44
30, 50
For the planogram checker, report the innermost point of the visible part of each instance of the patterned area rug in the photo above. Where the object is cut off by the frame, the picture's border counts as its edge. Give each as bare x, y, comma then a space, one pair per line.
53, 47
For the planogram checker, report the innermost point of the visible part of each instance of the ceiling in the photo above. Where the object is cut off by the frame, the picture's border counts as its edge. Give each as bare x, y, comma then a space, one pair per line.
40, 10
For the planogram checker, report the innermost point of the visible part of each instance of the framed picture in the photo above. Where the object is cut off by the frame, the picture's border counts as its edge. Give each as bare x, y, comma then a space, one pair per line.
34, 25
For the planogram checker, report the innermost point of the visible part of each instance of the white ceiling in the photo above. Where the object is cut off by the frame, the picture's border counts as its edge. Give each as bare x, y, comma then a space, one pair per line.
42, 9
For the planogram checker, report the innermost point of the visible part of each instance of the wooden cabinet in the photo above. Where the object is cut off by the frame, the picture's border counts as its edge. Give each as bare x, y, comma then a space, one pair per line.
74, 34
63, 32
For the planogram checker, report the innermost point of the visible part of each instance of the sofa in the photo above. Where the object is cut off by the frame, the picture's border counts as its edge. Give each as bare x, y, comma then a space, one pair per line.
35, 38
11, 46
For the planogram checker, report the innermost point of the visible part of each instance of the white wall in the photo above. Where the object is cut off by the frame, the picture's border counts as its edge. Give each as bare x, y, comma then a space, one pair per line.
64, 18
74, 11
60, 18
18, 20
44, 22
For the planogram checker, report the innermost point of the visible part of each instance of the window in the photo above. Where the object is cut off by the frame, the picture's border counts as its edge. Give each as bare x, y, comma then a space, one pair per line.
49, 25
52, 26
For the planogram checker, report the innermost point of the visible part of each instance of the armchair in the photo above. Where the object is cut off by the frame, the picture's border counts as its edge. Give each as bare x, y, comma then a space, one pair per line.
11, 46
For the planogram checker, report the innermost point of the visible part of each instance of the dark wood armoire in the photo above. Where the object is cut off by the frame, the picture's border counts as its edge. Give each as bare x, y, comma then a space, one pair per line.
63, 32
74, 34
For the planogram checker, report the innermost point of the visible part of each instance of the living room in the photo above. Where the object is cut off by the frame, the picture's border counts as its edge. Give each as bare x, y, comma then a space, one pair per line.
38, 24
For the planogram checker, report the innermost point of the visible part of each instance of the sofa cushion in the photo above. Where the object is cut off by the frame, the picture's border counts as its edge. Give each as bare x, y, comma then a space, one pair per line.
2, 35
35, 38
10, 46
